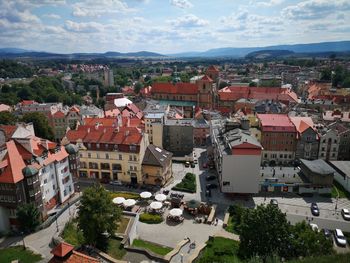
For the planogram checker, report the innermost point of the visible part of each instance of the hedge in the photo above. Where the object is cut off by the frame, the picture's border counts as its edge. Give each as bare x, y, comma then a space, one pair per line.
188, 184
126, 195
150, 218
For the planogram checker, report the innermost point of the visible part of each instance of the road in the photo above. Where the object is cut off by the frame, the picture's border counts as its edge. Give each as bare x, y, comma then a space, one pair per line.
39, 241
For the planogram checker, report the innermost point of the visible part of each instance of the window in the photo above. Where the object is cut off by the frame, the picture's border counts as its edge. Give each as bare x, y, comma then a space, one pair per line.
97, 155
97, 146
105, 166
335, 141
281, 155
135, 158
120, 157
130, 157
116, 167
89, 155
107, 156
132, 148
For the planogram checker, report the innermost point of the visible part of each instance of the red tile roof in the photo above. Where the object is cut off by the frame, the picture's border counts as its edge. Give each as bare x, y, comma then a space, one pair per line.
234, 93
12, 163
107, 121
62, 249
207, 78
4, 107
109, 135
112, 113
74, 109
276, 123
178, 88
302, 123
28, 102
8, 129
58, 114
212, 68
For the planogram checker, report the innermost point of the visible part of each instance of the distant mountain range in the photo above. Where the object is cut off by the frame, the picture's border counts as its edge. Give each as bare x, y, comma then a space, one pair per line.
340, 46
287, 50
17, 53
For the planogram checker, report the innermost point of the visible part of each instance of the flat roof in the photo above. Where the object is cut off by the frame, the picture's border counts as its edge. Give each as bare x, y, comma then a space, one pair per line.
342, 166
177, 103
318, 166
285, 175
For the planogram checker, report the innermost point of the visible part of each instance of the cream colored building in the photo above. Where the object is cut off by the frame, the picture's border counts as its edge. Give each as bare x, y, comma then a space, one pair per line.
108, 153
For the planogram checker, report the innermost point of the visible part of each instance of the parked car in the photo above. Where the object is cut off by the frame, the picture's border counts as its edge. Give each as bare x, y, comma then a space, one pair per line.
210, 177
346, 214
115, 182
208, 193
187, 164
195, 161
274, 202
327, 233
211, 186
314, 227
314, 209
339, 238
193, 165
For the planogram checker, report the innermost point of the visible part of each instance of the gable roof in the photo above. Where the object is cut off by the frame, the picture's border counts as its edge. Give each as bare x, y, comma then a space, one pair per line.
12, 164
156, 156
62, 249
302, 123
212, 68
207, 78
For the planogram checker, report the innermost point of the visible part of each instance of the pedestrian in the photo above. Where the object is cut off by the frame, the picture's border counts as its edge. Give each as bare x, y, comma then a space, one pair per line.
182, 257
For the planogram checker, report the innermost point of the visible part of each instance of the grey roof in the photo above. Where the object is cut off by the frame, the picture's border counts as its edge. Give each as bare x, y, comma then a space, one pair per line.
179, 122
201, 123
156, 156
71, 148
29, 171
342, 166
237, 137
154, 115
318, 166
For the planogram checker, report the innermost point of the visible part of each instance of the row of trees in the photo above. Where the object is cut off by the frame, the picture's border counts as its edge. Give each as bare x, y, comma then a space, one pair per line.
41, 125
41, 89
340, 76
265, 233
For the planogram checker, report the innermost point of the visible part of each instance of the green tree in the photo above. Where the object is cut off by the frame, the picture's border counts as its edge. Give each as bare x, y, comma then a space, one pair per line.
264, 232
223, 84
138, 86
97, 215
7, 118
307, 242
41, 125
28, 217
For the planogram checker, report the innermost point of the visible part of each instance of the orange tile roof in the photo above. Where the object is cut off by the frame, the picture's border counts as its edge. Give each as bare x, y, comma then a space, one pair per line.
212, 68
302, 123
27, 102
107, 121
62, 249
74, 108
4, 107
8, 129
276, 123
178, 88
112, 113
13, 164
58, 114
207, 78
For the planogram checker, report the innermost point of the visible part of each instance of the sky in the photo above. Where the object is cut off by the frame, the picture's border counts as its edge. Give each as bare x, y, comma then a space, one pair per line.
168, 26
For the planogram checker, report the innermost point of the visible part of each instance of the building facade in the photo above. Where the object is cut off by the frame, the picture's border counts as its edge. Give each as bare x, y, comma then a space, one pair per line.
329, 143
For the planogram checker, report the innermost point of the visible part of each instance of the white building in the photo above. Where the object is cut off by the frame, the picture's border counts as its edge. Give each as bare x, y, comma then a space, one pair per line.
237, 156
329, 143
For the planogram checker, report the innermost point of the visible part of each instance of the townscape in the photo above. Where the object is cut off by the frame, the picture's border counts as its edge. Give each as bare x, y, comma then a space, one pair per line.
144, 157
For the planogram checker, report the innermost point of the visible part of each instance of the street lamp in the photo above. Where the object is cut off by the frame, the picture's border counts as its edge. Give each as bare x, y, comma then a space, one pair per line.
336, 204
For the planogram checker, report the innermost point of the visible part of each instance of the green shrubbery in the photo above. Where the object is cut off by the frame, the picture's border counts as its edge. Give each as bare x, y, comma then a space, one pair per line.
150, 218
188, 184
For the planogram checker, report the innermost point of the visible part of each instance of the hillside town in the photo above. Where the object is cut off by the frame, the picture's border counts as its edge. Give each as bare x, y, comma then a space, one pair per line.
182, 151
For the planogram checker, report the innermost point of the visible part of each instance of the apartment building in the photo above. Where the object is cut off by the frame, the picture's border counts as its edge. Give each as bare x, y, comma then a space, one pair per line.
237, 157
110, 153
278, 138
32, 170
329, 143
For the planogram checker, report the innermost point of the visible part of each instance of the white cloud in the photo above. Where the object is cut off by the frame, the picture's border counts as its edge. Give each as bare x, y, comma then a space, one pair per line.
52, 16
181, 3
87, 27
92, 8
315, 9
269, 3
188, 21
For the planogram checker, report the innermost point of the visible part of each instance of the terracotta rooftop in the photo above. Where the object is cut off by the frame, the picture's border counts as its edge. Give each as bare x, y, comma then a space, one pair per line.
302, 123
207, 78
8, 129
212, 68
178, 88
276, 123
11, 165
62, 249
58, 114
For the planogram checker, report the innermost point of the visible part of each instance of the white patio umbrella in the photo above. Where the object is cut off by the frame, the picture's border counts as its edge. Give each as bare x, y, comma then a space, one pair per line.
156, 205
118, 200
129, 202
160, 197
175, 212
145, 195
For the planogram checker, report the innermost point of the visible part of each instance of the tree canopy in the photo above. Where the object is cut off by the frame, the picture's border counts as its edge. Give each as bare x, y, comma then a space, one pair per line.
7, 118
97, 215
28, 217
41, 125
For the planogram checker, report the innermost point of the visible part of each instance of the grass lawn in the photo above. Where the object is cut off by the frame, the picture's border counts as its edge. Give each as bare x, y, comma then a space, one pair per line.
114, 249
188, 184
122, 225
231, 227
126, 195
342, 192
13, 253
160, 250
220, 249
338, 258
72, 235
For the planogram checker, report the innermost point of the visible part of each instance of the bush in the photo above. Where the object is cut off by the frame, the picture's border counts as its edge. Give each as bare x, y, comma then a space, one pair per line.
188, 184
150, 218
72, 235
126, 195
